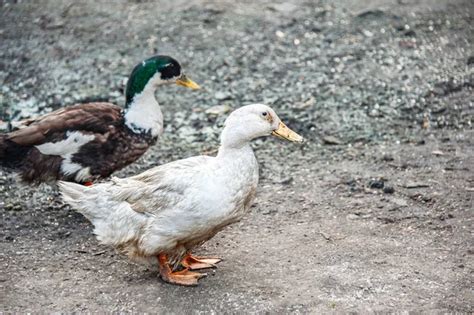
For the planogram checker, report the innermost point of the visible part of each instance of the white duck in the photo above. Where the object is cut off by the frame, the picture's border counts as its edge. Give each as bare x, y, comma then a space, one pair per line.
166, 211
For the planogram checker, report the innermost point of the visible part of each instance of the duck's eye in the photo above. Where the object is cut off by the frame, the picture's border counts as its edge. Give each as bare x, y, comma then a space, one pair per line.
264, 114
170, 71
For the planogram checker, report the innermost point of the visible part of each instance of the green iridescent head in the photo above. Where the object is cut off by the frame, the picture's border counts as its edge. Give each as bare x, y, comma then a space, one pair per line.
155, 70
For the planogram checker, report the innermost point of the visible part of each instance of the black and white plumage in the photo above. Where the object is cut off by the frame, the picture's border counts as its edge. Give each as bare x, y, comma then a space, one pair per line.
85, 142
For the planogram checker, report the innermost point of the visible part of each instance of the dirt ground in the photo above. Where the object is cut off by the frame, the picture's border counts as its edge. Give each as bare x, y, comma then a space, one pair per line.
373, 213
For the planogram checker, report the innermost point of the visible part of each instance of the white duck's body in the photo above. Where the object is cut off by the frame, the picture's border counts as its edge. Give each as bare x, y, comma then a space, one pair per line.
168, 210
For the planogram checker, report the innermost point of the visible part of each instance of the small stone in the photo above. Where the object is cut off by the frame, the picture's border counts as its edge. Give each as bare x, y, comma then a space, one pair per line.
285, 181
218, 110
410, 185
352, 216
388, 190
280, 34
331, 140
367, 33
400, 202
377, 13
284, 7
437, 152
4, 126
376, 183
387, 157
221, 96
351, 182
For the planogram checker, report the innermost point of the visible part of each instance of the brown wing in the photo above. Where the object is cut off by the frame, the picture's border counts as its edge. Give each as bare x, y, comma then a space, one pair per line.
92, 117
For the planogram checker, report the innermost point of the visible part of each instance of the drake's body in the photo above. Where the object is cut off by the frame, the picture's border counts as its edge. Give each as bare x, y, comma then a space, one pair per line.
84, 142
96, 144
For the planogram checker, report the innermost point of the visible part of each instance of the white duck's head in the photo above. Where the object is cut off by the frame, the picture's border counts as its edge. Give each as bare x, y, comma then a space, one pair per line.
254, 121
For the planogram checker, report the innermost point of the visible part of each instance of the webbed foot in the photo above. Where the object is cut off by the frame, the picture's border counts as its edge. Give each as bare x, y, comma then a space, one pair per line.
195, 262
183, 277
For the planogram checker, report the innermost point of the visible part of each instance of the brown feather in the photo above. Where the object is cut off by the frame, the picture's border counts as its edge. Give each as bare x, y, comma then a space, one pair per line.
85, 117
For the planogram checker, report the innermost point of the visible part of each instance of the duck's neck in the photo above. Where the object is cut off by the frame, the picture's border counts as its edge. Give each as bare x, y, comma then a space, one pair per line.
232, 142
234, 152
143, 113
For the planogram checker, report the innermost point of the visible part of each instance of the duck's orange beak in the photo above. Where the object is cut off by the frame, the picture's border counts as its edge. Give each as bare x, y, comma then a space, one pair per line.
286, 133
183, 80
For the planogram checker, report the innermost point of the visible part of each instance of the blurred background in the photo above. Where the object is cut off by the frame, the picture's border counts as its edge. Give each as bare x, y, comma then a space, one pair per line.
361, 69
373, 212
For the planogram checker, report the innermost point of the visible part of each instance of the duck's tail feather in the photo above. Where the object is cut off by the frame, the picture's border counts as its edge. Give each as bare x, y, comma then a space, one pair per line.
115, 223
11, 154
75, 195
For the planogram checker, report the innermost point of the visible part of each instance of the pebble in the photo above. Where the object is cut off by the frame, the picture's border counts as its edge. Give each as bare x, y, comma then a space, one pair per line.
352, 216
218, 110
400, 202
387, 157
221, 96
376, 183
285, 181
4, 126
331, 140
388, 190
410, 185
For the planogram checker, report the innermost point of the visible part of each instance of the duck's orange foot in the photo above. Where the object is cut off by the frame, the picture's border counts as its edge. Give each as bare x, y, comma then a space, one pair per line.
183, 277
88, 183
195, 263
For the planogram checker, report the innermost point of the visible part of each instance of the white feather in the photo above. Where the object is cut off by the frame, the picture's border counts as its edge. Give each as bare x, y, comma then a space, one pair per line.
66, 149
144, 113
83, 174
73, 142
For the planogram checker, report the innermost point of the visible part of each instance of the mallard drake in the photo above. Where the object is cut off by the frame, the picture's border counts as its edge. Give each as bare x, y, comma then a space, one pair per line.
160, 215
84, 142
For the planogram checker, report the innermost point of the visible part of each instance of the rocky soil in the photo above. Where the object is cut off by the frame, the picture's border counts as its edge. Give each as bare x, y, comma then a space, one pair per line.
373, 213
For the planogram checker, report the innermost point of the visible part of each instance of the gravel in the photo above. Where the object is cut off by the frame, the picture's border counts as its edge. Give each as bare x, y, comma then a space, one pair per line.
375, 86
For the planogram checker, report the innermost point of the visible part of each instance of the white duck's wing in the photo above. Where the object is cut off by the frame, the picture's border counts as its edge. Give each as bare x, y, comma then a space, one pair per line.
161, 187
122, 209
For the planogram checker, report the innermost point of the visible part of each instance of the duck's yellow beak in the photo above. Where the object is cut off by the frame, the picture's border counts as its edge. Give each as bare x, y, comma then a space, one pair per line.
183, 80
284, 132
